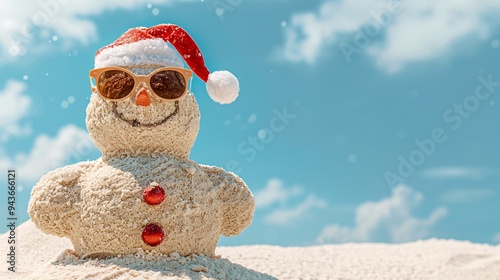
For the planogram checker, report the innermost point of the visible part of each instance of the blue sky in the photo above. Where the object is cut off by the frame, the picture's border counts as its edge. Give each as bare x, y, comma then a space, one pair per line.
388, 109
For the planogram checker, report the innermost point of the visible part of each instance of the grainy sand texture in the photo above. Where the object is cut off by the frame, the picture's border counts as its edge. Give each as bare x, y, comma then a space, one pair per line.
41, 256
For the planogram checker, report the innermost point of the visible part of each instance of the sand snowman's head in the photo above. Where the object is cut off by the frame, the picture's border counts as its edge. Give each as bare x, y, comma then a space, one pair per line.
157, 114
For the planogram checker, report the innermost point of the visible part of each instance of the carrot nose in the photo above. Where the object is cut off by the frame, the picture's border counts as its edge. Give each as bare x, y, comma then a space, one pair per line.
143, 99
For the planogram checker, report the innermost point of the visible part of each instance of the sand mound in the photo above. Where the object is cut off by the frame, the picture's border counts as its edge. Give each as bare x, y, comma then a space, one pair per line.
144, 266
40, 256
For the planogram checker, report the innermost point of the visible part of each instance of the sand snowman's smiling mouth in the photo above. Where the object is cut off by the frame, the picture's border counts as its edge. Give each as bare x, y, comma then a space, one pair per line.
136, 123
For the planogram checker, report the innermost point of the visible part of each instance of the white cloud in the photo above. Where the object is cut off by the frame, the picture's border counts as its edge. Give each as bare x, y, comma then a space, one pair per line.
284, 216
70, 144
456, 172
496, 238
389, 219
14, 108
466, 195
393, 35
23, 22
275, 192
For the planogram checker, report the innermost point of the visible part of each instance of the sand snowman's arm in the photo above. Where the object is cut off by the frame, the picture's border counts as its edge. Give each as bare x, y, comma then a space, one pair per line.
52, 201
238, 201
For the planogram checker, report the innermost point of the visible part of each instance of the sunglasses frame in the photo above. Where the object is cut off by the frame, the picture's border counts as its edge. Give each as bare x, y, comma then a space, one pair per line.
138, 79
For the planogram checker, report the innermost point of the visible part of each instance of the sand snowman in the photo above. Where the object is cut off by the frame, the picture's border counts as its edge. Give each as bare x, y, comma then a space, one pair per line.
144, 194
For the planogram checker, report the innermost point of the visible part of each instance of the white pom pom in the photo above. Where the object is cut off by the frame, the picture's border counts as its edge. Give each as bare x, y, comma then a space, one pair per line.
223, 87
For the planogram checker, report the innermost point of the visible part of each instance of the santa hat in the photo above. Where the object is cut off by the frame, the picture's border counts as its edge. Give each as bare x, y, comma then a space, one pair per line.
142, 46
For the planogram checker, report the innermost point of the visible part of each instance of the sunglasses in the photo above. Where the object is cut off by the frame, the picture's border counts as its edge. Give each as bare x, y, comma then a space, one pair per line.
116, 83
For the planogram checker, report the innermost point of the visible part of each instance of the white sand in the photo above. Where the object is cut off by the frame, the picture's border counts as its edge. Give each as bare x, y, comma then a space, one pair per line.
39, 254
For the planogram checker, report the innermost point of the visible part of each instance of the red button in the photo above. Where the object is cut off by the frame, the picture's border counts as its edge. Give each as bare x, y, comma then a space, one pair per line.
154, 194
153, 235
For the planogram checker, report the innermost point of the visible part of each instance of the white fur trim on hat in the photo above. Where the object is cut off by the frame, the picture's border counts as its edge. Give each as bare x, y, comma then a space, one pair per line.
144, 52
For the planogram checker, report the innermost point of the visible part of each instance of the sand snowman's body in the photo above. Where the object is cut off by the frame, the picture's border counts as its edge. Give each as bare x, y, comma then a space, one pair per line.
99, 205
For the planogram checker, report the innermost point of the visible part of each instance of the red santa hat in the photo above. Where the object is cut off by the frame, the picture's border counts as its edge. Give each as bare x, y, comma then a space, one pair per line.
142, 46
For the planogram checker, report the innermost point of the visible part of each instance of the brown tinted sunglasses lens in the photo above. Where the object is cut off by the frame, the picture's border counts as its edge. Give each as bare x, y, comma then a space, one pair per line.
115, 84
168, 84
